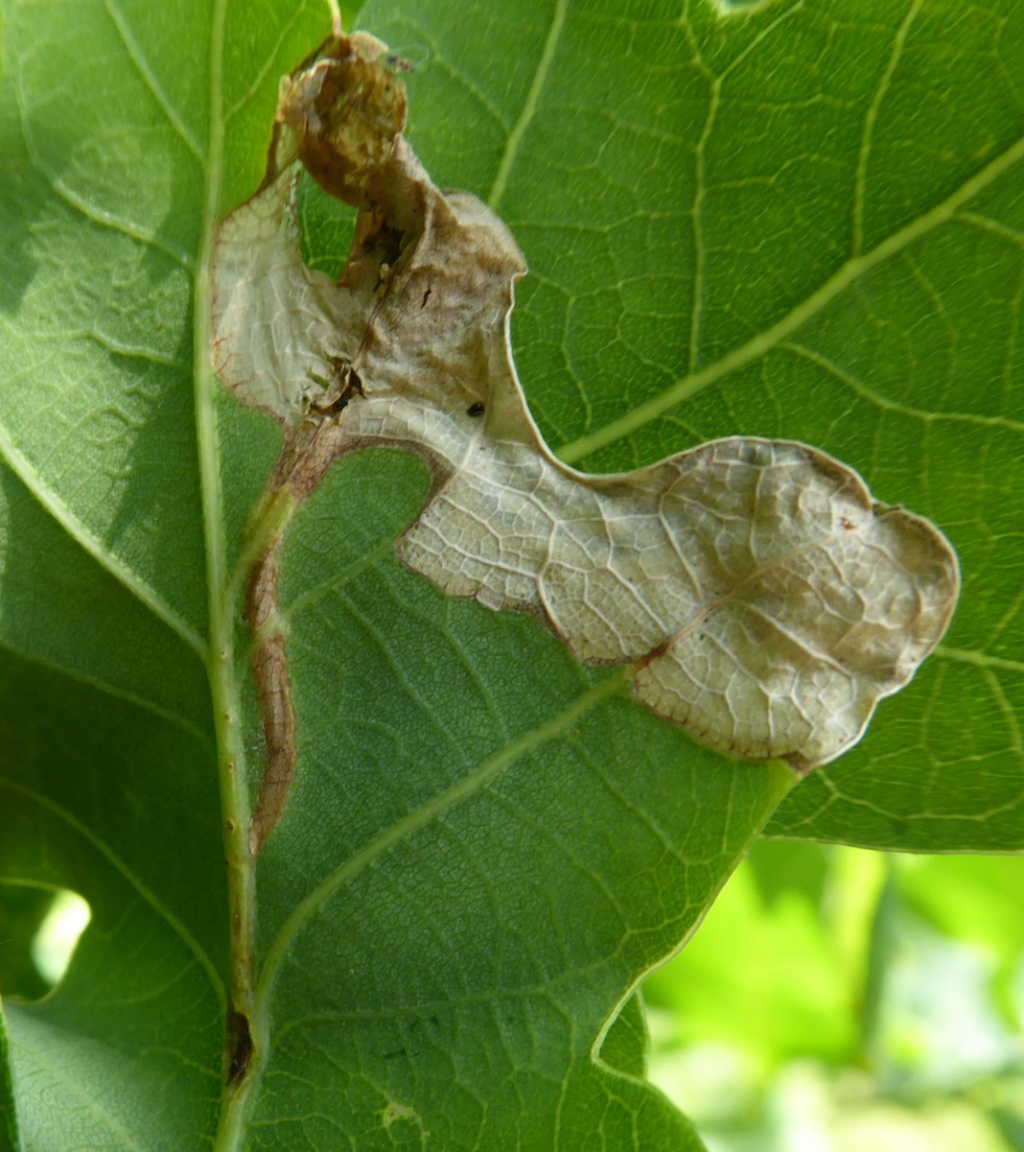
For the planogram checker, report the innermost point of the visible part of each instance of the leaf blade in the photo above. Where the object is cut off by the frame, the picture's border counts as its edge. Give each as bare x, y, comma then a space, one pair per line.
910, 372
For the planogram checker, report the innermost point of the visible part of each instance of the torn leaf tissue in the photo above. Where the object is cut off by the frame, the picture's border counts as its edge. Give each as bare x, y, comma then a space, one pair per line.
762, 598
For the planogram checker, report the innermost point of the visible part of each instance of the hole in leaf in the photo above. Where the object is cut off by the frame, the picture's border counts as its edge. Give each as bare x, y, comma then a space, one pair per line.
58, 935
39, 929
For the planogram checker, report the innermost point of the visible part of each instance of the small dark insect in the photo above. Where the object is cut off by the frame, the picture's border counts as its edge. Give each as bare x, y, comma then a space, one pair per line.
397, 64
477, 408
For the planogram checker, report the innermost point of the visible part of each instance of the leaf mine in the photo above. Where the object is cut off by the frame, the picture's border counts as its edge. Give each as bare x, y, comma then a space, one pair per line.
765, 601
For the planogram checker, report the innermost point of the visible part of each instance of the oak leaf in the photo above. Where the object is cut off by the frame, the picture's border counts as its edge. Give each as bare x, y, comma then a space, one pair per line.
763, 599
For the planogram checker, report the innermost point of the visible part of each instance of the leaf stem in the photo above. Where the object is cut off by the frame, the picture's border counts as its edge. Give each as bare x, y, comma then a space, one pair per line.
222, 598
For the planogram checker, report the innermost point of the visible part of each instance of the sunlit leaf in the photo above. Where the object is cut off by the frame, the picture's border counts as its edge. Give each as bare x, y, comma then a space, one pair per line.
797, 221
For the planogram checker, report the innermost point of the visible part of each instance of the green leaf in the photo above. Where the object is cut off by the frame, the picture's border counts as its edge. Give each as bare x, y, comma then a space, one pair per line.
101, 796
10, 1140
23, 909
512, 843
626, 1045
802, 220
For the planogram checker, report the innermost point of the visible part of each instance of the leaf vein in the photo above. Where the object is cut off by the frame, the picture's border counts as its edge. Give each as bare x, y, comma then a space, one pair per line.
115, 861
980, 659
26, 472
871, 119
775, 334
112, 222
94, 682
138, 58
1006, 710
872, 397
267, 64
435, 809
529, 110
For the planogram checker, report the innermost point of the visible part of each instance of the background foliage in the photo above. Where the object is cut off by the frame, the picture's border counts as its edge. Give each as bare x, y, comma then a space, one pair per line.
836, 1000
800, 219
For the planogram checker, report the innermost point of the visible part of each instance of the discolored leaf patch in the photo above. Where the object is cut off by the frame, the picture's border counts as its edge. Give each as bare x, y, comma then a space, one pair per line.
763, 599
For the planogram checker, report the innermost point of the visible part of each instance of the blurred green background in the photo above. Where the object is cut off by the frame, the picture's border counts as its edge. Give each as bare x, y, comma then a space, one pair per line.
833, 1000
836, 999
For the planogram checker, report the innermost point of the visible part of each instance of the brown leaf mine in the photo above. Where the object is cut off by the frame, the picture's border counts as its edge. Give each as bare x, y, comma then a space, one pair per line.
764, 599
270, 673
